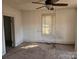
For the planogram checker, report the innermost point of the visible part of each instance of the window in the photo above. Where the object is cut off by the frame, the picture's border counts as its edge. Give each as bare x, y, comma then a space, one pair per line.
46, 24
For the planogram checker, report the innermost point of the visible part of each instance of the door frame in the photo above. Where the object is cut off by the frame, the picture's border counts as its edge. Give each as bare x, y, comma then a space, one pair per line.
13, 31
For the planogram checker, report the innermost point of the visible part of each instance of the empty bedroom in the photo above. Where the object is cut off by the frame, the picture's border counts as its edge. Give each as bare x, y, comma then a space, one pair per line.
39, 29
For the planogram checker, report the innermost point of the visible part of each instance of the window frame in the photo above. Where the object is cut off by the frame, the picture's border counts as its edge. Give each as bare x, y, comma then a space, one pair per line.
52, 23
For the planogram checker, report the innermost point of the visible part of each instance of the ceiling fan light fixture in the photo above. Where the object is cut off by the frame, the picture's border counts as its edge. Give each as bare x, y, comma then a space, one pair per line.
52, 8
49, 7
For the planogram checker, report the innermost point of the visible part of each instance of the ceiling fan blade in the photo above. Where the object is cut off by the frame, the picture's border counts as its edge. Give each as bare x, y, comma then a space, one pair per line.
40, 7
60, 4
38, 3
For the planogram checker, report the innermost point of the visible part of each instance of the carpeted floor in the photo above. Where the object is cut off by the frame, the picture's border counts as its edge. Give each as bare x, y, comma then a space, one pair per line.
41, 51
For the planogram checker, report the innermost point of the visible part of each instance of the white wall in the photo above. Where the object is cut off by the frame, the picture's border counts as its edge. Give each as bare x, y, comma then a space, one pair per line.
9, 11
65, 26
66, 20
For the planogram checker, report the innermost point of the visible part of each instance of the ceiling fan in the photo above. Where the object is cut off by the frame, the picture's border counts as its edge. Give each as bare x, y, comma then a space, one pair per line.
50, 3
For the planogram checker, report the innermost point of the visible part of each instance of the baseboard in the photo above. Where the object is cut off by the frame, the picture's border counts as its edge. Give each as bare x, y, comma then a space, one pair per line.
18, 43
3, 53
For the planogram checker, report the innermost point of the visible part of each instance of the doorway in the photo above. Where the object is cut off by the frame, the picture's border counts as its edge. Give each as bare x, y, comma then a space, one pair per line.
9, 32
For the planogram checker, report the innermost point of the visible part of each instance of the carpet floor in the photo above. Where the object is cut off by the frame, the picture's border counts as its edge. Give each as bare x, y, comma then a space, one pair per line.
41, 51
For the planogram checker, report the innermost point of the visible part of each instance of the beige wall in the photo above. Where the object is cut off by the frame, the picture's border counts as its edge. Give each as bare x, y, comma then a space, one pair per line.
65, 26
9, 11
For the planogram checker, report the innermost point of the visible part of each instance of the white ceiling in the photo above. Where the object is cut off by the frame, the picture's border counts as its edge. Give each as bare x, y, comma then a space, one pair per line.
28, 5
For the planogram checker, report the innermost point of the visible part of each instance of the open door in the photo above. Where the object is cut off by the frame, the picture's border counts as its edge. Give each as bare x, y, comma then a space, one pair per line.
9, 32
